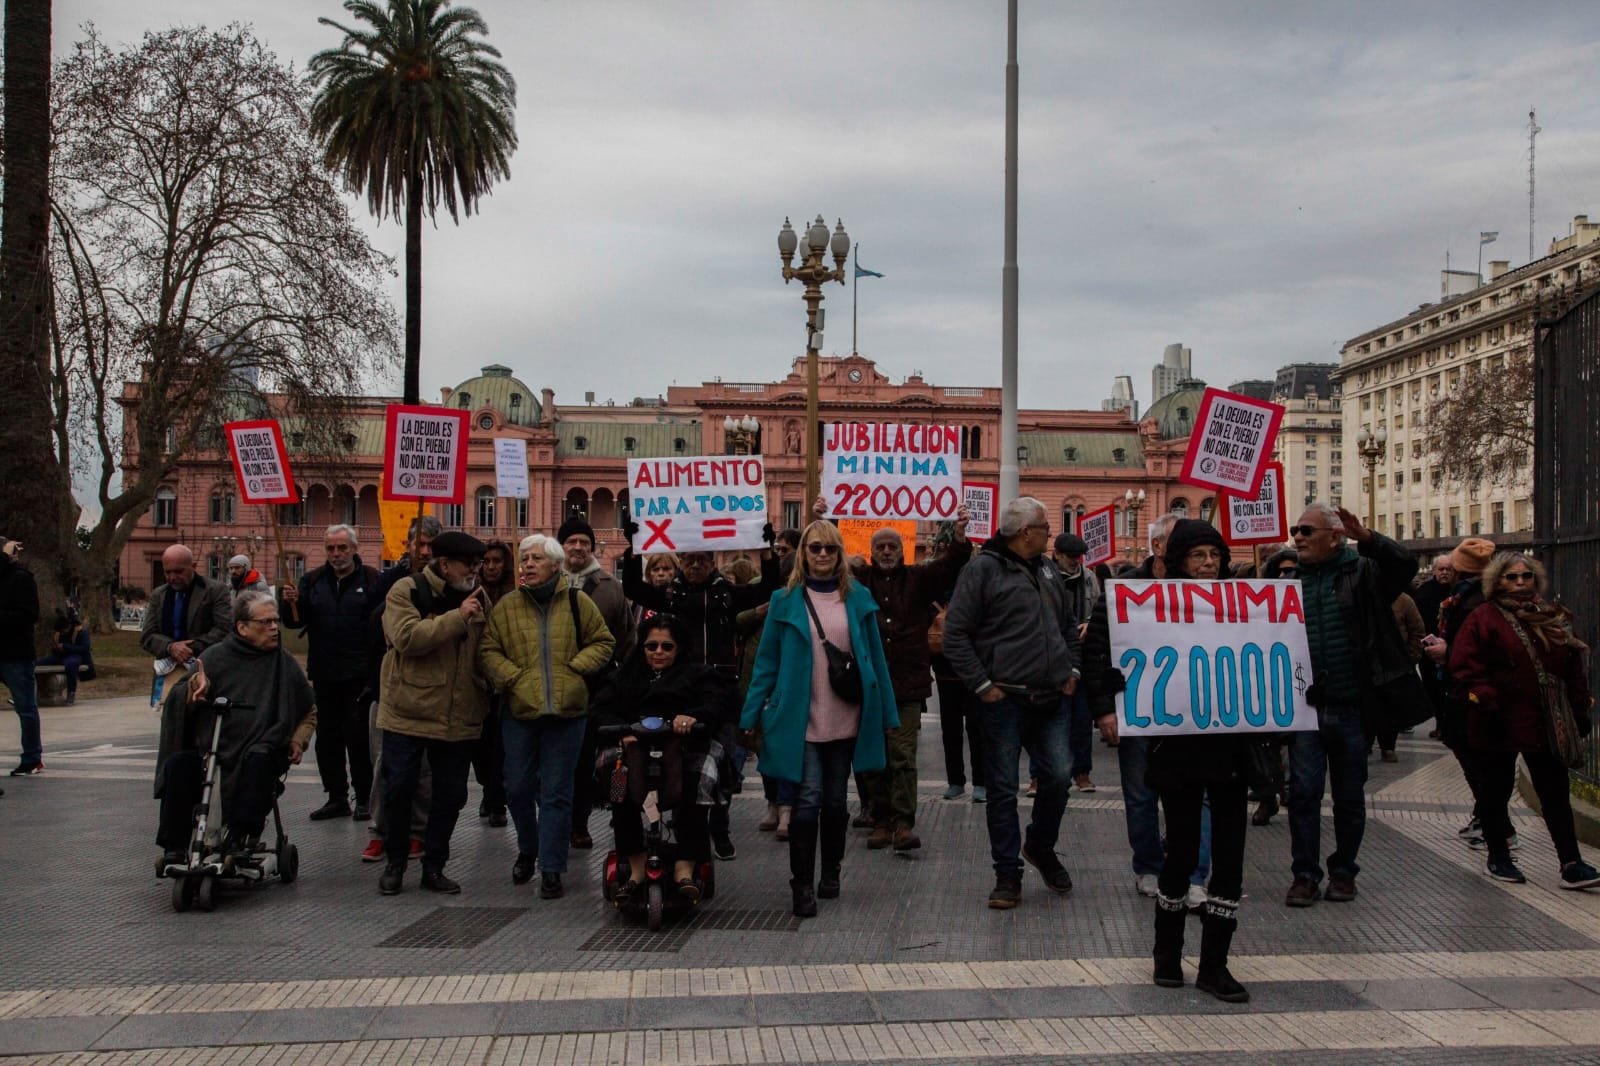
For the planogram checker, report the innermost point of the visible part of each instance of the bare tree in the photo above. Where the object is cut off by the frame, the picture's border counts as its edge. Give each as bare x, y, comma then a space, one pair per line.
202, 259
1482, 432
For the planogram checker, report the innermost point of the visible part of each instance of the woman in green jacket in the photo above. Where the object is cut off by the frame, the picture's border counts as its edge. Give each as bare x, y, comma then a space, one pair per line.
540, 644
812, 733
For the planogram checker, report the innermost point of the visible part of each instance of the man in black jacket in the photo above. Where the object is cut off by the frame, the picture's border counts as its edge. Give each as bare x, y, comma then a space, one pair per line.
186, 615
331, 606
19, 613
905, 595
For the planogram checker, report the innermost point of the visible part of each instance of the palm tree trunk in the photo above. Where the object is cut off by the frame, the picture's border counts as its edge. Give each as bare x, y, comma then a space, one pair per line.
36, 504
413, 383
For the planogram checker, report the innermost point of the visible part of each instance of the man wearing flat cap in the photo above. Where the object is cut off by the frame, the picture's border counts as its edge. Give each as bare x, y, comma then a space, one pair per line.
432, 700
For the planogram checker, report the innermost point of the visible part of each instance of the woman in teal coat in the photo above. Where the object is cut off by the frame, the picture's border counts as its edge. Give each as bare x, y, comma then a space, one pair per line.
813, 735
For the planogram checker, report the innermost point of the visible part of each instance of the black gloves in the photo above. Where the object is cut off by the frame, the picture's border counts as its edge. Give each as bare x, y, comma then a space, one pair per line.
630, 528
769, 535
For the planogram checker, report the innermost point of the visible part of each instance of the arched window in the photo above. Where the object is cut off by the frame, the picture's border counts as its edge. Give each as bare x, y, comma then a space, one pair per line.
977, 442
603, 509
450, 516
679, 445
1208, 508
344, 506
1180, 507
1119, 455
221, 506
629, 444
522, 513
966, 443
293, 514
577, 504
295, 563
463, 399
164, 510
580, 444
486, 500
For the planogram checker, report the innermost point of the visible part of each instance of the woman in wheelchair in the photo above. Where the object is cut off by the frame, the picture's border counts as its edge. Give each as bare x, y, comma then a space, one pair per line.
655, 681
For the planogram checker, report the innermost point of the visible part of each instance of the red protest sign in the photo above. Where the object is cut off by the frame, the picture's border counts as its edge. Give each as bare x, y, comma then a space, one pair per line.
1258, 519
981, 499
1099, 533
1231, 443
425, 454
260, 461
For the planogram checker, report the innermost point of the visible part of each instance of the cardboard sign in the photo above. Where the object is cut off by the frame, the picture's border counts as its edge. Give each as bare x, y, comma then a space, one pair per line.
1210, 657
1098, 530
394, 518
1261, 519
425, 454
260, 462
511, 467
698, 503
981, 498
1231, 443
873, 470
857, 534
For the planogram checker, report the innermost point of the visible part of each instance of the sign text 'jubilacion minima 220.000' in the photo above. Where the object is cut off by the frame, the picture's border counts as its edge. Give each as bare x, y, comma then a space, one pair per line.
260, 461
697, 503
873, 470
1210, 656
425, 454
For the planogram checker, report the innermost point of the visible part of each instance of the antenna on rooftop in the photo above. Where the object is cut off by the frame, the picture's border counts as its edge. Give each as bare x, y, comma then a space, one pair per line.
1533, 131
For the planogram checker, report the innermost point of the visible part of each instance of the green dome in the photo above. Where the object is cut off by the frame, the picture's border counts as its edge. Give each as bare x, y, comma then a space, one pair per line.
495, 387
1175, 413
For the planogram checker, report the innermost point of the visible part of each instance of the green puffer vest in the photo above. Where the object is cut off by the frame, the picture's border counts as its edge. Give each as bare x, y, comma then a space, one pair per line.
1333, 656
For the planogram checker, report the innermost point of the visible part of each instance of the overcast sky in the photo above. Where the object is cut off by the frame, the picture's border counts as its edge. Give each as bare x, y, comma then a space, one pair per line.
1260, 181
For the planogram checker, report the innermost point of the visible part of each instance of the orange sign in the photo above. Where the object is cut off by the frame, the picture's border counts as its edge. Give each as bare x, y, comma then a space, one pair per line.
857, 534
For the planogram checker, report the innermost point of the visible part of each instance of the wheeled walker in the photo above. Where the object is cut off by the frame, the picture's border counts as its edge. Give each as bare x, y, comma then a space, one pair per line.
653, 784
213, 857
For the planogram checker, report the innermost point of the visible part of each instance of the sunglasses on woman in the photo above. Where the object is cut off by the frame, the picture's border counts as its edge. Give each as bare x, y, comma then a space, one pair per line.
659, 645
821, 549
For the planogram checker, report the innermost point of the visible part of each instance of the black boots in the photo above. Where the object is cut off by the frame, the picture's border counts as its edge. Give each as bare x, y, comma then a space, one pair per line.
1170, 916
805, 900
434, 880
393, 879
803, 866
1217, 923
833, 831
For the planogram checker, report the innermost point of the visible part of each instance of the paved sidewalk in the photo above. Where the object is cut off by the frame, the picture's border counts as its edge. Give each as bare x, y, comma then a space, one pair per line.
1434, 963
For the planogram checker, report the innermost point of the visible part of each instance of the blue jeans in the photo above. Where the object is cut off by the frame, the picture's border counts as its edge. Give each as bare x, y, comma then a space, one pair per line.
541, 761
1080, 738
1337, 748
18, 677
778, 791
1008, 730
402, 766
824, 780
1139, 806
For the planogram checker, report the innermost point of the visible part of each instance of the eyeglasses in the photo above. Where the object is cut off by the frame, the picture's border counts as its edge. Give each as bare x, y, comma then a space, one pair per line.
1519, 577
1043, 527
659, 645
1307, 531
821, 549
269, 622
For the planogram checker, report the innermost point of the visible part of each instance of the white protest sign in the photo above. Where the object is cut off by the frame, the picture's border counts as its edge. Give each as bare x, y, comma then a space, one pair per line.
260, 461
979, 498
873, 470
425, 453
1260, 519
511, 467
701, 503
1098, 533
1210, 657
1231, 443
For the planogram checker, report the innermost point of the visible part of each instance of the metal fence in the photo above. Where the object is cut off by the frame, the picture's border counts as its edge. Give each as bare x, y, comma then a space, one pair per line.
1567, 468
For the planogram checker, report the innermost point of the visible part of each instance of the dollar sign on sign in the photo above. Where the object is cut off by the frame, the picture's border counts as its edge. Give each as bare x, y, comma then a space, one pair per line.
1299, 678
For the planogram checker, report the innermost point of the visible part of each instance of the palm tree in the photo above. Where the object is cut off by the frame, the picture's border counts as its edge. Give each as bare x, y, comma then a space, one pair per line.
414, 109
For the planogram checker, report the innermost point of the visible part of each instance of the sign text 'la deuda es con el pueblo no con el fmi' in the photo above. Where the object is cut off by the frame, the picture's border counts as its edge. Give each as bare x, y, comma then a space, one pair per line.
425, 451
1210, 656
884, 470
260, 461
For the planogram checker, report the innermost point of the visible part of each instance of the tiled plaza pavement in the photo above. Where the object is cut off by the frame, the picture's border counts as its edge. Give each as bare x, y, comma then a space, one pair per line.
1433, 963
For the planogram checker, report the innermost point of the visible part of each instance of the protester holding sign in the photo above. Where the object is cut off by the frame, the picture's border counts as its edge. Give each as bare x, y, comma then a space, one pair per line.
1359, 664
1188, 770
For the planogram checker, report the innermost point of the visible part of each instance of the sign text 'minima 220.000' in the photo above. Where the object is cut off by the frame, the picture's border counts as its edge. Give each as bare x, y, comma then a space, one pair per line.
1210, 656
873, 470
699, 503
425, 454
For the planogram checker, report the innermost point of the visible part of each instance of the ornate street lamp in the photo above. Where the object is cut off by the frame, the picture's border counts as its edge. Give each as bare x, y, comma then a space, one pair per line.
1134, 502
739, 435
1372, 447
813, 272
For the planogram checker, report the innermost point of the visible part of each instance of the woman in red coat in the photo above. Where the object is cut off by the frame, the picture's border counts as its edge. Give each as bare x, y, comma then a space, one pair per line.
1492, 661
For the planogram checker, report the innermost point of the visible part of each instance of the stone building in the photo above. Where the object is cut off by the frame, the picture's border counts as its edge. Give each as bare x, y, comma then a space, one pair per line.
1394, 375
1310, 438
1076, 461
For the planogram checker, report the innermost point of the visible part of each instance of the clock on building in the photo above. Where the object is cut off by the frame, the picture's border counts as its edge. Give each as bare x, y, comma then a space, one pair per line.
855, 374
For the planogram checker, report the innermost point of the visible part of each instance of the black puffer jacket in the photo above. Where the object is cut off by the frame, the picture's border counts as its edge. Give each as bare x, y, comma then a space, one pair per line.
19, 610
710, 608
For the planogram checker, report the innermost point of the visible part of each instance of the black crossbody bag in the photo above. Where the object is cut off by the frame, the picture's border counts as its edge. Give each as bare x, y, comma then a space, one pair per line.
844, 673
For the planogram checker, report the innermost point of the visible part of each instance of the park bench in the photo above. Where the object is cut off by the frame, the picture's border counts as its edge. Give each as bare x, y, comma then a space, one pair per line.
51, 683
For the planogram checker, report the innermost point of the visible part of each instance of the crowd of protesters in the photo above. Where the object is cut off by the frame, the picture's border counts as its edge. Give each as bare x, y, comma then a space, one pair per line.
502, 660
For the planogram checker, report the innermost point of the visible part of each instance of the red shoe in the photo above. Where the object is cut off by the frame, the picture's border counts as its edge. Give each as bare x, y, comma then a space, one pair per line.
416, 847
373, 852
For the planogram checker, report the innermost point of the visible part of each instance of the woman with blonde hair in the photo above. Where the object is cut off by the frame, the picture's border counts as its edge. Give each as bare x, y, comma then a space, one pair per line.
821, 694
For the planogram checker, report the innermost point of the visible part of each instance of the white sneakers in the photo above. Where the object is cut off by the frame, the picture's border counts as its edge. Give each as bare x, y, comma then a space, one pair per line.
1147, 884
1197, 897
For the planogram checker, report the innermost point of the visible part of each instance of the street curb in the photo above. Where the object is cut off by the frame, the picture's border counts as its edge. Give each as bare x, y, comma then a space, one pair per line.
1585, 815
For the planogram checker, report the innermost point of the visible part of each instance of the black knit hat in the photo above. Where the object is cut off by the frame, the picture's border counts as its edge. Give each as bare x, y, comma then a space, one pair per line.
454, 544
573, 527
1071, 544
1187, 535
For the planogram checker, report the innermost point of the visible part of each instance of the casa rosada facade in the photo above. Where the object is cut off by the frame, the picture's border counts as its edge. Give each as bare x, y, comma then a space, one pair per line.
1075, 461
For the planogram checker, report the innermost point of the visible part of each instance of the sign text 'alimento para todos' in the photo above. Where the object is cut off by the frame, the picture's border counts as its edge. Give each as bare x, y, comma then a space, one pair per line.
875, 470
701, 503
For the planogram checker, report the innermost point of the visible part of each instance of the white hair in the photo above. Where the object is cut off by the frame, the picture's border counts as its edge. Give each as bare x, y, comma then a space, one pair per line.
1161, 528
549, 545
1018, 514
348, 531
245, 602
1328, 511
